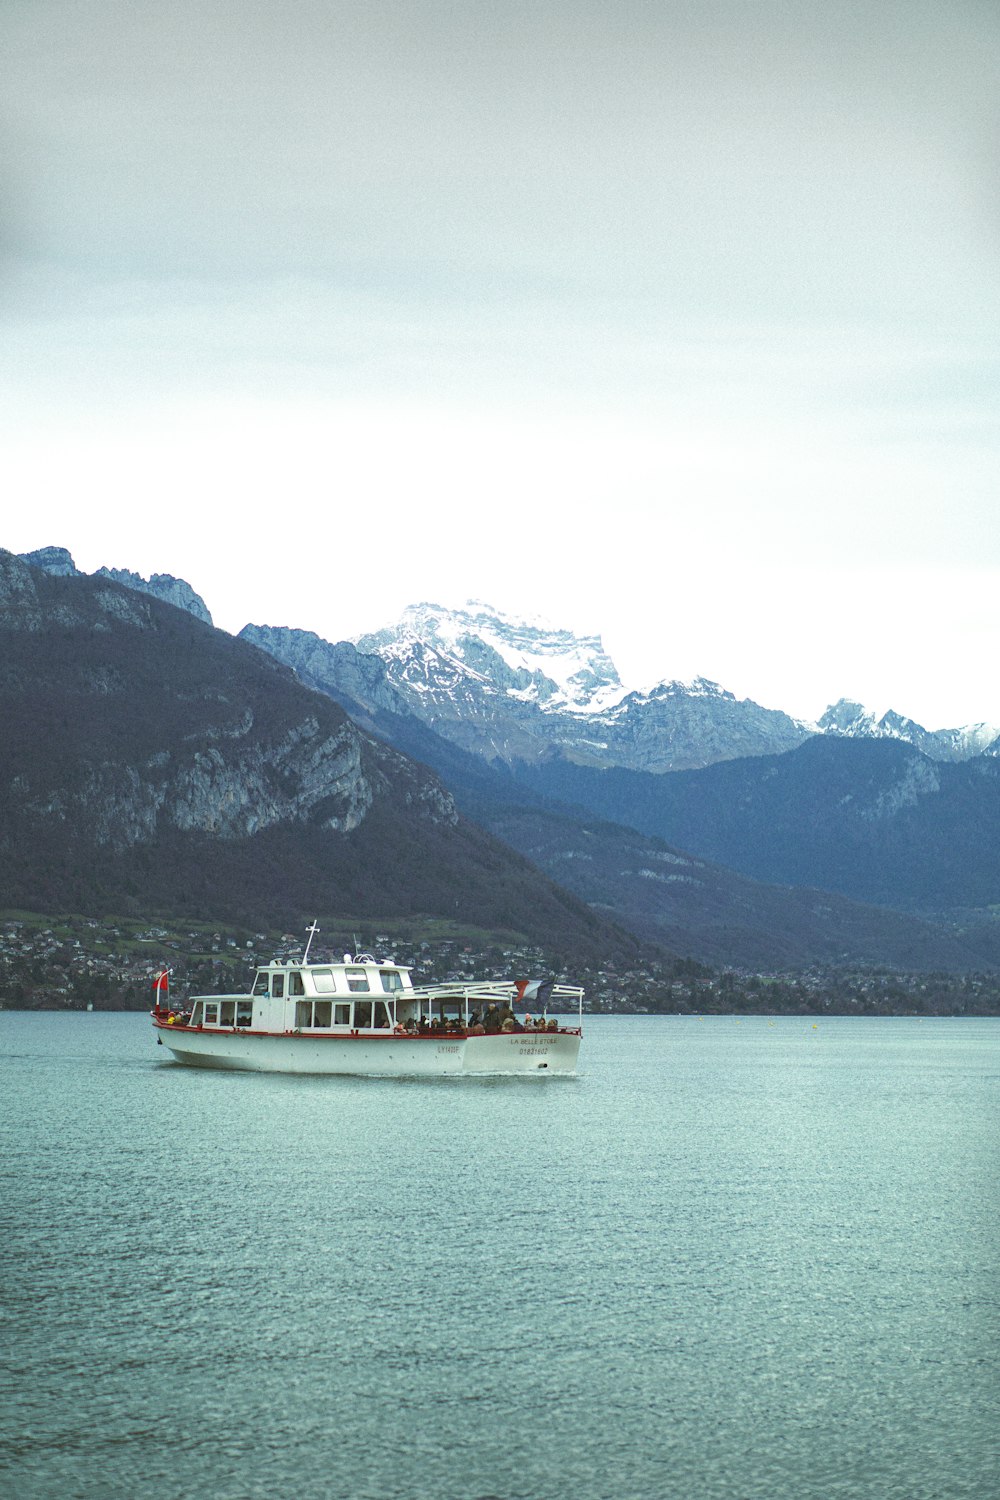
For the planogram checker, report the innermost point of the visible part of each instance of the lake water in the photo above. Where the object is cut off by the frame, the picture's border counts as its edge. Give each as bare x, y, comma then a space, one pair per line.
732, 1259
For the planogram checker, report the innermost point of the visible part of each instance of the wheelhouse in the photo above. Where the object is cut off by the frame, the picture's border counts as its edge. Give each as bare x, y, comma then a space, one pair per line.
359, 994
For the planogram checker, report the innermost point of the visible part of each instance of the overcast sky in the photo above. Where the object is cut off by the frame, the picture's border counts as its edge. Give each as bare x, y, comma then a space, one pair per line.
677, 322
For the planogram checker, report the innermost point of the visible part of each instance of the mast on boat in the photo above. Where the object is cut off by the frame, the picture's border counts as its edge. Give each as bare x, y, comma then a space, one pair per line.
312, 931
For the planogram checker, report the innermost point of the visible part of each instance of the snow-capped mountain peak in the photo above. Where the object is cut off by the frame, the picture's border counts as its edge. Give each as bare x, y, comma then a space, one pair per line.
516, 689
528, 660
854, 720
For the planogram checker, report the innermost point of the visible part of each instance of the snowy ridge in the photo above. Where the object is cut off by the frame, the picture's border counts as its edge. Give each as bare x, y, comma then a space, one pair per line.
855, 721
541, 664
522, 689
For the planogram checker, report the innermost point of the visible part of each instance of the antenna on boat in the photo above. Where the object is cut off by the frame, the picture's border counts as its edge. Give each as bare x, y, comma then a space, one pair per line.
312, 931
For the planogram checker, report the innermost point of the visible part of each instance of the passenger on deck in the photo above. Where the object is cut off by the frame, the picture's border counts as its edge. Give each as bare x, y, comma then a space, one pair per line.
491, 1020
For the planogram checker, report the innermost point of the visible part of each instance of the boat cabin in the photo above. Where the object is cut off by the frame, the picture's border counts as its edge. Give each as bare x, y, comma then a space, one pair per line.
359, 994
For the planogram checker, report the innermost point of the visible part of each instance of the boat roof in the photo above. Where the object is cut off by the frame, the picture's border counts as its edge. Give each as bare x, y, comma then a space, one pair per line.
349, 961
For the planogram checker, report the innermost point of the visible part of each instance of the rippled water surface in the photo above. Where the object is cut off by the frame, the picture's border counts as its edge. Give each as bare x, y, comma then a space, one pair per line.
730, 1260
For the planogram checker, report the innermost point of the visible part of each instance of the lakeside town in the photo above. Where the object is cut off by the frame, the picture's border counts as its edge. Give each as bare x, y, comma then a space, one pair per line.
79, 963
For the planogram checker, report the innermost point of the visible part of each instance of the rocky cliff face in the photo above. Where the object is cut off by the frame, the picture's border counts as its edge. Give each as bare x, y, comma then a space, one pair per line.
229, 771
58, 562
681, 726
162, 586
230, 790
357, 681
54, 560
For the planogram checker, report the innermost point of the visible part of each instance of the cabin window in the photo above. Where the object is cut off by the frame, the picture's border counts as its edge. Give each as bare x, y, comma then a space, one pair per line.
277, 986
381, 1014
212, 1013
303, 1013
295, 985
227, 1013
391, 980
321, 1012
363, 1013
244, 1012
260, 984
323, 980
357, 981
196, 1013
341, 1015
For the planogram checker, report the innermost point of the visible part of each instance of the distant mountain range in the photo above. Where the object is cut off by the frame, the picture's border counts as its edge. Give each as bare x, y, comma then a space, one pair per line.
515, 692
733, 875
857, 722
714, 826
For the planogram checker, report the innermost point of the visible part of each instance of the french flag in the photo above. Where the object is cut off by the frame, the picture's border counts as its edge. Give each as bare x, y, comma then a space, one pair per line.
533, 990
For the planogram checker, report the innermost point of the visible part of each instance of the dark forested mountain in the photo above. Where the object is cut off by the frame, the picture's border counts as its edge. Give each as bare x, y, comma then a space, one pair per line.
692, 905
718, 916
150, 763
873, 819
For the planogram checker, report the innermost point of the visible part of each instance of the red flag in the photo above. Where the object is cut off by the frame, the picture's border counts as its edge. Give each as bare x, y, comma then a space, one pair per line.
161, 984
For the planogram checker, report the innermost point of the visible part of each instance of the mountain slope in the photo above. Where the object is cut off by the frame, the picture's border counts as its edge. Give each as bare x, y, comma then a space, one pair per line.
872, 819
720, 917
149, 762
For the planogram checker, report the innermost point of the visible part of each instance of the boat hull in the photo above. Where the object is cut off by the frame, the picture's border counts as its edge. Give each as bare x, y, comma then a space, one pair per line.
374, 1055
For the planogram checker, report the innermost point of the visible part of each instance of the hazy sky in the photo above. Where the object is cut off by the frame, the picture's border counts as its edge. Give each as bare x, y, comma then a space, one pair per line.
679, 322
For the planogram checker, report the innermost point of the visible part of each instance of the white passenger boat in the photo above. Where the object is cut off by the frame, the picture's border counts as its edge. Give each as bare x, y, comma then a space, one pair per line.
365, 1016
